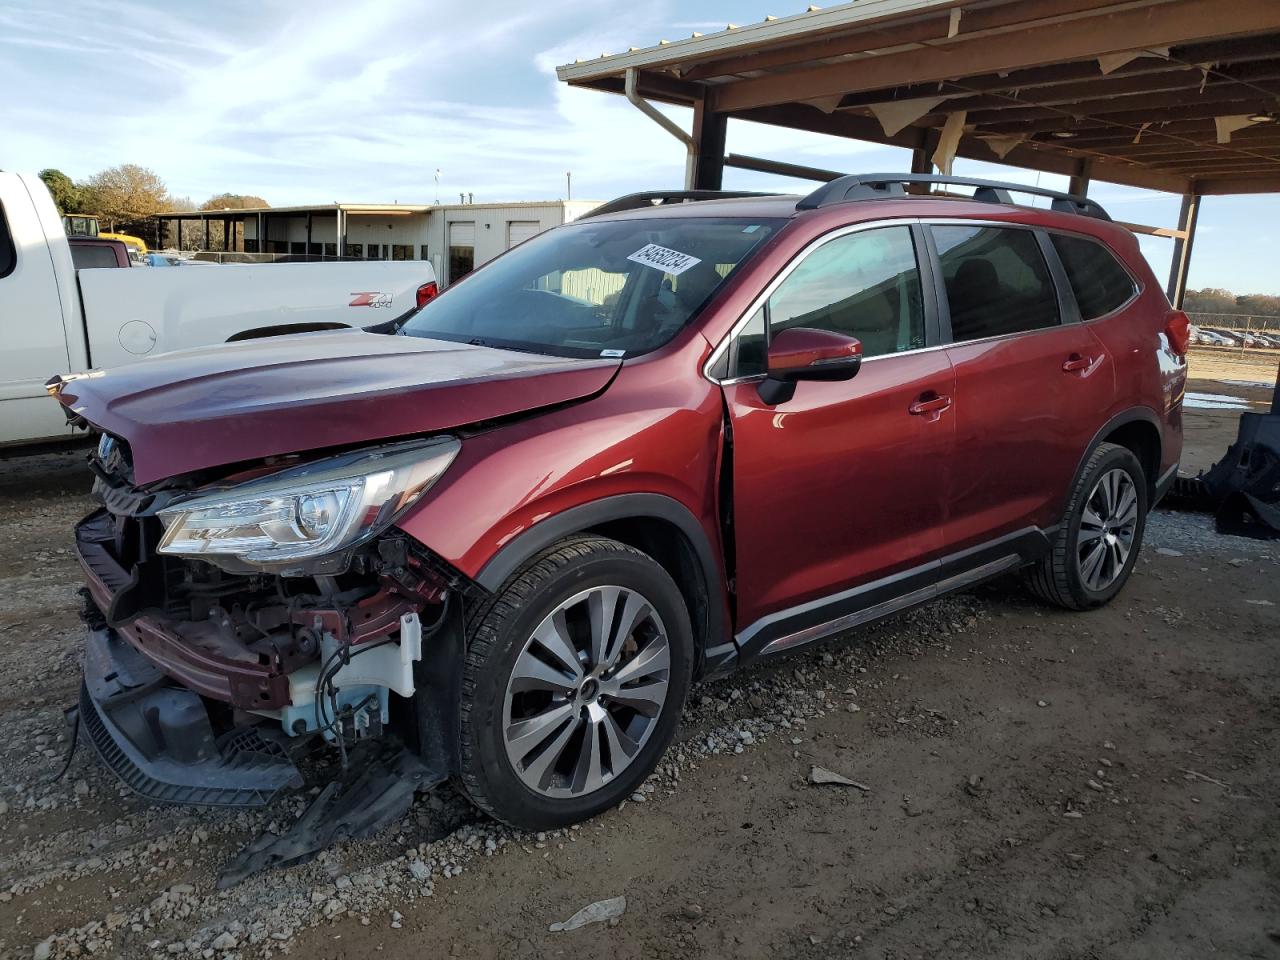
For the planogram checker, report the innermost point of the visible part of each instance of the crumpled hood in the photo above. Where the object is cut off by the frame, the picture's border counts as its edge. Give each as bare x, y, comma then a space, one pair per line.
195, 409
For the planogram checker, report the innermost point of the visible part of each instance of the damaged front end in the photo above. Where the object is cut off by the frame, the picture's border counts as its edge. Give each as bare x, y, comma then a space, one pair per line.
238, 625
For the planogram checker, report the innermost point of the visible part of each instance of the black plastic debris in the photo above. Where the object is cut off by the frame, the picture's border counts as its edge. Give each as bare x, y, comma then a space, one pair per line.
383, 777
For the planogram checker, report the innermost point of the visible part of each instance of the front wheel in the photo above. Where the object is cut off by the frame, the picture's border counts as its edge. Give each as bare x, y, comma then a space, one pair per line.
1096, 546
574, 679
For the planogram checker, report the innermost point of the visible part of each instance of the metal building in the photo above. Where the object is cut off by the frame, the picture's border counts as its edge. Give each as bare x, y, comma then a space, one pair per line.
455, 238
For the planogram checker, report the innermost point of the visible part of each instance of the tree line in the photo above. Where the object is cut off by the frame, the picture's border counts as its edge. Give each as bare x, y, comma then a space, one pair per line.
1217, 300
129, 193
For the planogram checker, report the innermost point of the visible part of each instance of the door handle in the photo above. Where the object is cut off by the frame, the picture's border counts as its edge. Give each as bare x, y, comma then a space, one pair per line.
1076, 362
933, 404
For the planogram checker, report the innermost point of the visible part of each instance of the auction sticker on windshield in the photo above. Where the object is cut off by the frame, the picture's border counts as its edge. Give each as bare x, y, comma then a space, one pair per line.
662, 258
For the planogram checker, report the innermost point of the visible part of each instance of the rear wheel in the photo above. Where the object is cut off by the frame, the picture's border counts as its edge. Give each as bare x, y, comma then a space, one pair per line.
574, 679
1097, 544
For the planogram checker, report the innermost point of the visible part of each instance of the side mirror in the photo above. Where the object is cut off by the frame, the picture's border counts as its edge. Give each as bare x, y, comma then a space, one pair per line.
803, 353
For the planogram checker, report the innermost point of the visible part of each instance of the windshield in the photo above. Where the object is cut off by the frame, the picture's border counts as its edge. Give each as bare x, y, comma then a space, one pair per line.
614, 288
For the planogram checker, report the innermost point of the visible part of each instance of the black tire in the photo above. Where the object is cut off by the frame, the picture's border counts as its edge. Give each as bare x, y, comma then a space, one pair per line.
497, 632
1057, 578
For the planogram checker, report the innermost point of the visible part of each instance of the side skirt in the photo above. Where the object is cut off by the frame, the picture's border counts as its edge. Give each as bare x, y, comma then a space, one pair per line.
797, 626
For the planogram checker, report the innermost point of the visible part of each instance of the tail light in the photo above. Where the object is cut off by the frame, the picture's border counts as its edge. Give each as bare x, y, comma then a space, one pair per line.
427, 292
1178, 329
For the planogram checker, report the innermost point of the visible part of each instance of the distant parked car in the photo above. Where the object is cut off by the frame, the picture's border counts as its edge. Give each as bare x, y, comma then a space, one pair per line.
174, 260
1225, 338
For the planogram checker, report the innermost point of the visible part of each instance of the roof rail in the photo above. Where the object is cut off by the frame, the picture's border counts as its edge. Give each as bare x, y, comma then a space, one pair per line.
661, 198
881, 186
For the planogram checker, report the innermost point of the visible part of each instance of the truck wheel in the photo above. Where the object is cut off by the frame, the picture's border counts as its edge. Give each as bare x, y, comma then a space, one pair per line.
1095, 548
573, 683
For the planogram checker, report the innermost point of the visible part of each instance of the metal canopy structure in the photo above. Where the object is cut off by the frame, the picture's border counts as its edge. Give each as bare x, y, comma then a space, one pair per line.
1175, 95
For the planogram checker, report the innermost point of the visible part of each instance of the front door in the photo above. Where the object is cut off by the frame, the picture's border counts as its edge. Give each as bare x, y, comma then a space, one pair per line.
846, 483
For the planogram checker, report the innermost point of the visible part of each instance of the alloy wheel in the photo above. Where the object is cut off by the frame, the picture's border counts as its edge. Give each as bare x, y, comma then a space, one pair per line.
586, 692
1107, 527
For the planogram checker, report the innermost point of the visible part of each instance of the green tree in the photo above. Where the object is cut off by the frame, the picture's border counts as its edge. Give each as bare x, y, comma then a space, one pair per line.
66, 195
124, 193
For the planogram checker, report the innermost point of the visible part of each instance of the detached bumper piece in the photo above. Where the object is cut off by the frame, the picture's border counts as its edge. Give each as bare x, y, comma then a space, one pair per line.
159, 738
377, 791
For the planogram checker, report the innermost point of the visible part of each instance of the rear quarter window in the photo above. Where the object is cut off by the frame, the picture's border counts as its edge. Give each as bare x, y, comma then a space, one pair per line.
8, 256
1099, 282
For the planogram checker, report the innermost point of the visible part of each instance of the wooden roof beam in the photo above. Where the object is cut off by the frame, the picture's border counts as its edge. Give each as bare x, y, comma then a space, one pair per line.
931, 27
803, 117
1212, 103
1230, 185
1119, 123
1105, 91
1078, 80
1038, 45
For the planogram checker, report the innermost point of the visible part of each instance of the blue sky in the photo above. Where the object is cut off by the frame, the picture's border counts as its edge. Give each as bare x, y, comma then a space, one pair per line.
322, 101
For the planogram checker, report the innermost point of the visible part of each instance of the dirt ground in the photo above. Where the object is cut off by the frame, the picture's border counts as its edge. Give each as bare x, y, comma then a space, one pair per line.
1033, 783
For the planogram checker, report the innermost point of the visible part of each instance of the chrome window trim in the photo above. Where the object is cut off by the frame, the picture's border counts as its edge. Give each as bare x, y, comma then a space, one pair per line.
742, 321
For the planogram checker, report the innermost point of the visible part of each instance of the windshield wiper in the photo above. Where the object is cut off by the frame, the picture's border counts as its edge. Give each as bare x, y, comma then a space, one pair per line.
481, 342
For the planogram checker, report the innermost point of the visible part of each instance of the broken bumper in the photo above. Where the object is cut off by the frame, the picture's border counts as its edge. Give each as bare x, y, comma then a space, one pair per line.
158, 738
191, 653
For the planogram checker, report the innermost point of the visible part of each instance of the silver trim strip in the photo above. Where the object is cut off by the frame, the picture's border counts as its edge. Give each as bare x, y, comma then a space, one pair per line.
883, 609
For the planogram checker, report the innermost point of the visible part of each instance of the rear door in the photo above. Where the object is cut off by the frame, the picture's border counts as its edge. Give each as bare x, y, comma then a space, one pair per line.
845, 483
1032, 382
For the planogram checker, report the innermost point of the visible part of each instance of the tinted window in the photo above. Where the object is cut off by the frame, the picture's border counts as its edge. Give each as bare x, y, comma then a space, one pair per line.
996, 280
864, 285
87, 256
610, 287
7, 256
1099, 282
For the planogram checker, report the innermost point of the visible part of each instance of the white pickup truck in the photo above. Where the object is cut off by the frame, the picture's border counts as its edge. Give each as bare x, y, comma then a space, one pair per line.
55, 320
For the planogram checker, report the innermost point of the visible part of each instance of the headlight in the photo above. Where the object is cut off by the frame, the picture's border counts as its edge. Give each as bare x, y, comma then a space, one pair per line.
292, 518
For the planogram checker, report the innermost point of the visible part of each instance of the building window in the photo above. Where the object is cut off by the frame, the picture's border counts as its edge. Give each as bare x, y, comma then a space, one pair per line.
375, 251
402, 251
355, 249
462, 249
462, 260
313, 249
423, 253
331, 249
297, 246
250, 245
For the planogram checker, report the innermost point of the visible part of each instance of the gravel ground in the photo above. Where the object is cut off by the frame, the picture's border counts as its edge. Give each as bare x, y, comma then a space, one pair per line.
1029, 783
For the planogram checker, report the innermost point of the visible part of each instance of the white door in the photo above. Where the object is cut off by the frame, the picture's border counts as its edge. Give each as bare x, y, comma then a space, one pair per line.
462, 234
518, 231
31, 319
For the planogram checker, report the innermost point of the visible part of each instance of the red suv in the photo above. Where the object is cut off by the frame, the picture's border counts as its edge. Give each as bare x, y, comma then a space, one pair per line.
670, 439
